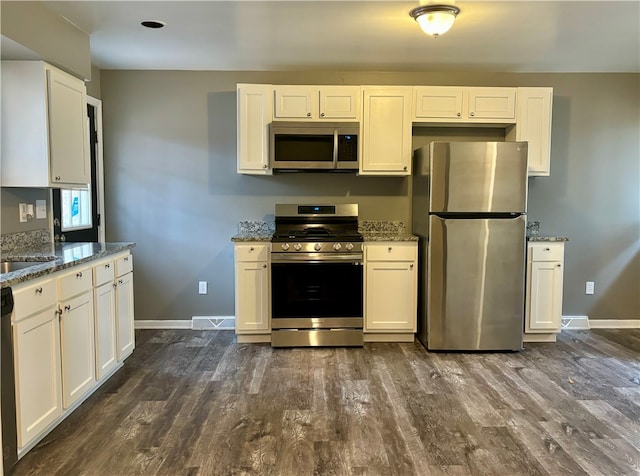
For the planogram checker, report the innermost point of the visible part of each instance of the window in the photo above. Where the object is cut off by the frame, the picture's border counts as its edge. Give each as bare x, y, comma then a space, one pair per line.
76, 209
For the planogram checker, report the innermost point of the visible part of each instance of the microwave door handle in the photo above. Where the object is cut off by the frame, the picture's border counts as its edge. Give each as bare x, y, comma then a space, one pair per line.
335, 148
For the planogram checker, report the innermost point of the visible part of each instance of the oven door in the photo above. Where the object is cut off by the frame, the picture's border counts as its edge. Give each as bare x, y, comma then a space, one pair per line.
310, 291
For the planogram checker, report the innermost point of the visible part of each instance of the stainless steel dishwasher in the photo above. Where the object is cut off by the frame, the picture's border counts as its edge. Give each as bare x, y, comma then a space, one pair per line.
7, 386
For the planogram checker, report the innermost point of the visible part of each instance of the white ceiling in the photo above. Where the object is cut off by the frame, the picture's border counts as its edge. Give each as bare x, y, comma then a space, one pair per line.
504, 36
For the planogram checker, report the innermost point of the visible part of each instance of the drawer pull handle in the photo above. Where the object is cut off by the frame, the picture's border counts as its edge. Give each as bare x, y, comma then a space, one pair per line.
107, 266
126, 259
79, 275
251, 249
67, 308
39, 290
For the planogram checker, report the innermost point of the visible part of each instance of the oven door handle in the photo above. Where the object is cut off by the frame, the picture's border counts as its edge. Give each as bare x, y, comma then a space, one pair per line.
316, 258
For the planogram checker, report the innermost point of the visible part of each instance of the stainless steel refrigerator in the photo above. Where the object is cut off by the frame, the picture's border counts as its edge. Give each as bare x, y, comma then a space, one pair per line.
469, 209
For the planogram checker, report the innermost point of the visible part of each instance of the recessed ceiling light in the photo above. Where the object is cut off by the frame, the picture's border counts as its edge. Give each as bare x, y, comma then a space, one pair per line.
153, 23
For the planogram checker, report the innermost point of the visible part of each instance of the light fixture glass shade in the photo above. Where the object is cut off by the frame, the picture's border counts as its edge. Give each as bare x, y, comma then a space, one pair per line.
435, 19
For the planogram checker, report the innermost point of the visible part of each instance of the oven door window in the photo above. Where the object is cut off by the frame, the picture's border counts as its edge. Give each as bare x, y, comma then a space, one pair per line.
316, 290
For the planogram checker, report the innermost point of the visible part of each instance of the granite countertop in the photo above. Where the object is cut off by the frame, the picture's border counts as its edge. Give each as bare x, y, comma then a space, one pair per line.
249, 236
388, 236
49, 258
254, 231
385, 230
547, 238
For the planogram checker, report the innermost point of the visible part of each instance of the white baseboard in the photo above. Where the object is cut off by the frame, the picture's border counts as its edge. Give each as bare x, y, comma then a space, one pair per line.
225, 323
614, 323
220, 323
162, 324
575, 322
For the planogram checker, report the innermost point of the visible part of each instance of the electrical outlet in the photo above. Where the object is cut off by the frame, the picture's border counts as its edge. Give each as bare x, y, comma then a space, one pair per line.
22, 210
202, 287
590, 288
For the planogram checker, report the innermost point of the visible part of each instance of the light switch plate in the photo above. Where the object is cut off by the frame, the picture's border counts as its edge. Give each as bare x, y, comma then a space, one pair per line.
202, 287
590, 287
22, 212
41, 209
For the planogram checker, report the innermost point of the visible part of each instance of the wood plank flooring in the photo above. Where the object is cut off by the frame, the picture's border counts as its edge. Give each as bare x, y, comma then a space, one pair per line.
198, 403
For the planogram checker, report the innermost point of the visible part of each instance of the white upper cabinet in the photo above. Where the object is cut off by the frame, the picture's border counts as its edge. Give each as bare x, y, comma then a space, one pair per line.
45, 140
386, 131
255, 112
534, 126
458, 104
309, 103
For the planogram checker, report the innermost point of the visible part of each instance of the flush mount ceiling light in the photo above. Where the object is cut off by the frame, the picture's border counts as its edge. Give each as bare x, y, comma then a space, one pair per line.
435, 19
153, 24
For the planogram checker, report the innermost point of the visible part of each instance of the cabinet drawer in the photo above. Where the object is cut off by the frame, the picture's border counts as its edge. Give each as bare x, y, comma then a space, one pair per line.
103, 273
392, 252
124, 265
252, 252
547, 252
34, 298
76, 282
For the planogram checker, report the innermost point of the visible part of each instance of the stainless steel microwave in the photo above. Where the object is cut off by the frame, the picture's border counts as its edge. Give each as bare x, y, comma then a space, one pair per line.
314, 146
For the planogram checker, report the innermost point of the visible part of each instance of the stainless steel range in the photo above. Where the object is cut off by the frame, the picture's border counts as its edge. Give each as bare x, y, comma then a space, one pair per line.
316, 276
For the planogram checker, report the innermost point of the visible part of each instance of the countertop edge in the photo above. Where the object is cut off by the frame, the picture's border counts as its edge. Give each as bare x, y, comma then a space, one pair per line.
540, 239
59, 263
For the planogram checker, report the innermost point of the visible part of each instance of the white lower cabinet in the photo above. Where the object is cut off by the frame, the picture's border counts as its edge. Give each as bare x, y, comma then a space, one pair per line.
391, 290
543, 308
66, 340
252, 300
124, 313
36, 347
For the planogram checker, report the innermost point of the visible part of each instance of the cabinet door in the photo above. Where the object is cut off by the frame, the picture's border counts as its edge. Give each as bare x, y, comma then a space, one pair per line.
296, 102
77, 347
340, 102
386, 131
37, 368
391, 296
437, 103
492, 103
124, 315
545, 297
252, 297
534, 126
255, 111
105, 329
68, 129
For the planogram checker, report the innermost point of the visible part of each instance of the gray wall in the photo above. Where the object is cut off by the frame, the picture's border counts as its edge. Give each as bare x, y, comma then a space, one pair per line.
9, 213
171, 182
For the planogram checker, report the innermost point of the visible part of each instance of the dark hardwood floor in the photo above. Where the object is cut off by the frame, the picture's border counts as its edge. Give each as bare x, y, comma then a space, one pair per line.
197, 403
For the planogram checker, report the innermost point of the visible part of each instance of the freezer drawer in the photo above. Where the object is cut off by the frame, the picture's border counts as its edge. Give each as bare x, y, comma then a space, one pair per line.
475, 283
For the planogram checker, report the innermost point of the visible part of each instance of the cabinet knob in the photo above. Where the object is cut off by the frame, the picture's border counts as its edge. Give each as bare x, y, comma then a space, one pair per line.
459, 114
107, 266
405, 168
39, 290
264, 265
322, 114
559, 265
547, 249
252, 249
411, 266
67, 308
264, 166
472, 114
308, 114
79, 275
120, 281
58, 312
115, 285
57, 178
126, 258
389, 249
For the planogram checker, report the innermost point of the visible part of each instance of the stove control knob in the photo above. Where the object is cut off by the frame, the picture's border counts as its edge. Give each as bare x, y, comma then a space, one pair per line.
285, 246
337, 246
297, 246
317, 247
349, 247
